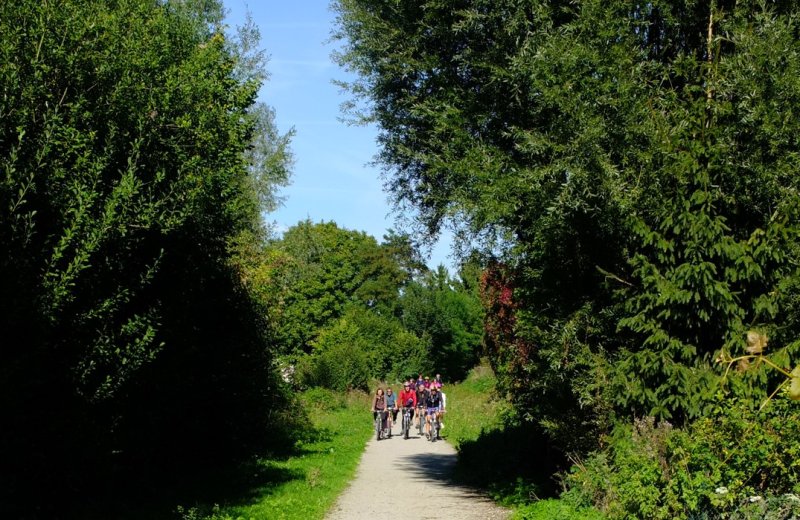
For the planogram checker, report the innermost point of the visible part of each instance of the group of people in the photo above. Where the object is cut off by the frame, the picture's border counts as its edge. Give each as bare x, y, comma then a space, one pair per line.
423, 397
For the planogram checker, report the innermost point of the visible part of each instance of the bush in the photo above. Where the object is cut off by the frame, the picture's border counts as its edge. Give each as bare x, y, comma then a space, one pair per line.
344, 366
358, 347
407, 355
737, 462
772, 508
745, 452
626, 480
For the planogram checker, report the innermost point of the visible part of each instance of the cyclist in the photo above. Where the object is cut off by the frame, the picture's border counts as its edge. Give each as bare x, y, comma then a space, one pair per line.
391, 407
422, 396
379, 405
433, 407
408, 398
427, 382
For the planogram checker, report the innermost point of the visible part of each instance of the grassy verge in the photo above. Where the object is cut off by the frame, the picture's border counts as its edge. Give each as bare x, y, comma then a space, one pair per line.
499, 454
305, 483
473, 408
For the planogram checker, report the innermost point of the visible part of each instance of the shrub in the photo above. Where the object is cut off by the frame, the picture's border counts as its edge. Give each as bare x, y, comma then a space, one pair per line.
358, 347
771, 508
740, 450
625, 480
736, 461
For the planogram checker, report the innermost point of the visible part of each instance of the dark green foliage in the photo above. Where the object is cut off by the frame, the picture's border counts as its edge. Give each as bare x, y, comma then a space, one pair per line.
713, 254
128, 177
602, 146
634, 169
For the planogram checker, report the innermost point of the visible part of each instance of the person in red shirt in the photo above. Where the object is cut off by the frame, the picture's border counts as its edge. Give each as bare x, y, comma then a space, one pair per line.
407, 394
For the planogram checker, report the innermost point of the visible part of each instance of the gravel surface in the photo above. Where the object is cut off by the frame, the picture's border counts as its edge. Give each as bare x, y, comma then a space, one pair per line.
400, 478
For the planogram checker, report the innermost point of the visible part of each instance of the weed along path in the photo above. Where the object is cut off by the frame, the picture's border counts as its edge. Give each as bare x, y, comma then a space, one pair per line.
397, 478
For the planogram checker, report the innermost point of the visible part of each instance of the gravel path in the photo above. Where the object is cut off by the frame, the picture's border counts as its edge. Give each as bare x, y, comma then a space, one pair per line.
396, 476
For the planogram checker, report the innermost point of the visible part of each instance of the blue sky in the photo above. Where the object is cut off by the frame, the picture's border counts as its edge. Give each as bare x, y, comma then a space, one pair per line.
331, 179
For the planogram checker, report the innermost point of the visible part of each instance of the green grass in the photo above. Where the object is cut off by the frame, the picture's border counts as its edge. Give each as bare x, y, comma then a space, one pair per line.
552, 509
473, 408
305, 484
508, 458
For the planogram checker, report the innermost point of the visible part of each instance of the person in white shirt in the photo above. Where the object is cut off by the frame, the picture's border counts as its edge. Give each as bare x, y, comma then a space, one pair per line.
444, 408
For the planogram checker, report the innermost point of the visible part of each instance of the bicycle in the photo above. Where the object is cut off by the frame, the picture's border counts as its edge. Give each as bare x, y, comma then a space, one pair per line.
389, 422
433, 432
380, 431
406, 424
421, 420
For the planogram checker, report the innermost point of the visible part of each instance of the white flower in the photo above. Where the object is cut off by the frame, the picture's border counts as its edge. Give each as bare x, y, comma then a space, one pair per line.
755, 498
721, 490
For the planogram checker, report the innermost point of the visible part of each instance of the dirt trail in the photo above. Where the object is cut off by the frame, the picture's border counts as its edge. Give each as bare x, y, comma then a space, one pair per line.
397, 476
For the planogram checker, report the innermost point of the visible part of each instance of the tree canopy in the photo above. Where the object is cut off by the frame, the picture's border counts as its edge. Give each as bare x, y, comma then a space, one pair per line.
634, 164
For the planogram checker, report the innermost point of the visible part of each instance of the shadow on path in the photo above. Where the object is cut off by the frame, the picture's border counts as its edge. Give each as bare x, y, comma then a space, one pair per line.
515, 464
402, 469
430, 466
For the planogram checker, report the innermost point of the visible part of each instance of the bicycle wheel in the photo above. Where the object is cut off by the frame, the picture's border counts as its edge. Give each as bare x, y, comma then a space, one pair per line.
378, 428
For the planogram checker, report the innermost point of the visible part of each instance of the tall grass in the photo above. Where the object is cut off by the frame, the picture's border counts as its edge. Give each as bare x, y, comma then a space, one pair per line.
473, 407
507, 457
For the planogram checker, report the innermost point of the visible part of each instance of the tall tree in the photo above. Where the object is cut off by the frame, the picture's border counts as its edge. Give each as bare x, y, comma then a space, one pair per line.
448, 316
577, 139
321, 270
133, 158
